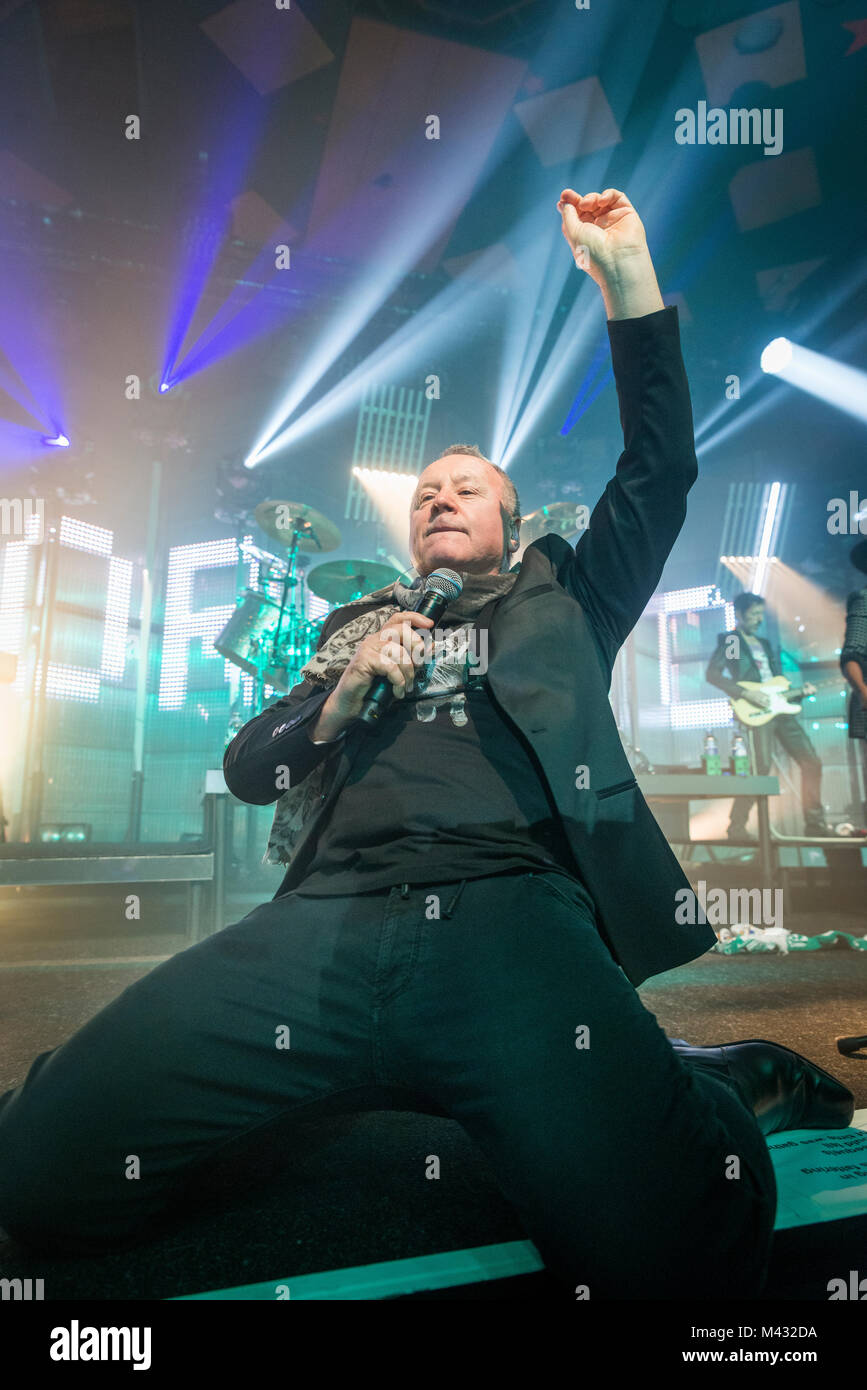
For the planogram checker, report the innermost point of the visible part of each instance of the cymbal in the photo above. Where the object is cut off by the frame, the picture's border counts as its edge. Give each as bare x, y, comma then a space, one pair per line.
282, 521
340, 581
564, 518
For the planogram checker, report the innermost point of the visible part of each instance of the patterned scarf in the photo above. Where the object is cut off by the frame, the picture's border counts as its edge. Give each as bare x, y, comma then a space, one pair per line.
325, 668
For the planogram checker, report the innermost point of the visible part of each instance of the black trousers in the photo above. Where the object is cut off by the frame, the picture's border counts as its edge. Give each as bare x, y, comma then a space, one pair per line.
788, 732
494, 1001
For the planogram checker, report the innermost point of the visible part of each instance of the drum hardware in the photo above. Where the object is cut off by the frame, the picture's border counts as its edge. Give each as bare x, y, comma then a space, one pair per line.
266, 636
270, 566
564, 518
342, 581
247, 638
297, 526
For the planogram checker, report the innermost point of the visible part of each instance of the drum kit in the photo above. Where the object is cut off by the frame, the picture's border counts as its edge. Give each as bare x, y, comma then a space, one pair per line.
268, 636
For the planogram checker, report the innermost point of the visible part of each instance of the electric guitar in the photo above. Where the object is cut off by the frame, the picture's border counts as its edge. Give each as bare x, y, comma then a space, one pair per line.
780, 699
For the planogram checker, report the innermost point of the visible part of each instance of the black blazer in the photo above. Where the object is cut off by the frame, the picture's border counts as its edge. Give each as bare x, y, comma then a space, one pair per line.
551, 647
740, 668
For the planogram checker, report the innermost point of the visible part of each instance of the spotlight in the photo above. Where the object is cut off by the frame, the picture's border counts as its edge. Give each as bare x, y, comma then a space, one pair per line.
776, 356
57, 441
164, 383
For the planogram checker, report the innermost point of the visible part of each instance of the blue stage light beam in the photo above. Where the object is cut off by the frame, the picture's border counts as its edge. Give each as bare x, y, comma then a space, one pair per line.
18, 390
415, 346
660, 204
730, 416
31, 369
438, 185
443, 321
523, 344
226, 140
449, 186
848, 380
548, 293
586, 395
537, 242
543, 266
837, 383
573, 339
373, 287
347, 226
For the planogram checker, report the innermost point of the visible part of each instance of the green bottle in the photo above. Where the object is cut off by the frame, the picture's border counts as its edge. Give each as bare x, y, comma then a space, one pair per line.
711, 758
740, 757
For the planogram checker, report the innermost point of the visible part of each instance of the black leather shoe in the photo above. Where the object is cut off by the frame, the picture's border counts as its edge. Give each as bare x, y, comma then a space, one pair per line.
783, 1089
818, 829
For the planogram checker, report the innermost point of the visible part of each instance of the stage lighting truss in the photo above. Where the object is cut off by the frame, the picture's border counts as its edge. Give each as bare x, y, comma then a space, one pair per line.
390, 440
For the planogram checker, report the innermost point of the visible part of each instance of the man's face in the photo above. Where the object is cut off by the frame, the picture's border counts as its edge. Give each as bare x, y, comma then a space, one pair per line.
457, 518
752, 618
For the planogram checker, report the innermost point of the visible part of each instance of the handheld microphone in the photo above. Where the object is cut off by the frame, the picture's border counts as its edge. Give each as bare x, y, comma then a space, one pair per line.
440, 589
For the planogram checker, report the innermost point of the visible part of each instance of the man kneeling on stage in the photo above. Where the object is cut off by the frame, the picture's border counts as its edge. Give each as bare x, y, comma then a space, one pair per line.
475, 890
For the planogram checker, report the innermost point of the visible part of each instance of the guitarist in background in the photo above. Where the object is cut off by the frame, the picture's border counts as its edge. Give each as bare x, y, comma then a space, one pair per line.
752, 658
853, 657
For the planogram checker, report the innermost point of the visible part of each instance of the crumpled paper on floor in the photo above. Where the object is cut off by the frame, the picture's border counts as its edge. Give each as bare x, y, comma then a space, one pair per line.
733, 940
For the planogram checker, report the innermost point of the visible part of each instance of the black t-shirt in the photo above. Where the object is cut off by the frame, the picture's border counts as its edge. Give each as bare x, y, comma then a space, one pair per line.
444, 788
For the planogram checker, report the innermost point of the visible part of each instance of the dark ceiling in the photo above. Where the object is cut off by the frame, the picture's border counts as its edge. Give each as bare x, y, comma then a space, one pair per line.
748, 247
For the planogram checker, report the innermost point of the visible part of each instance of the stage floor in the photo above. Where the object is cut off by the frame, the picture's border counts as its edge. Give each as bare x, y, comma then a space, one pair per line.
302, 1215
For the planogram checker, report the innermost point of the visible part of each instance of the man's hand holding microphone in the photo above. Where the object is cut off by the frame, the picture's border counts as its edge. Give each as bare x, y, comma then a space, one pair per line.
394, 653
